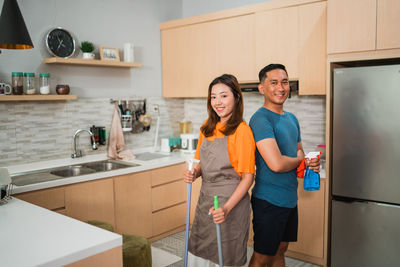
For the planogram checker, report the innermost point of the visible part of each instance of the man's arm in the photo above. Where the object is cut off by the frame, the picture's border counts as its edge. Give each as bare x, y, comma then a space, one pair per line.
271, 154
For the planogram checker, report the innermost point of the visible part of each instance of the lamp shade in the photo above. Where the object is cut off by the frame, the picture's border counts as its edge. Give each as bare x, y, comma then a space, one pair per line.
13, 31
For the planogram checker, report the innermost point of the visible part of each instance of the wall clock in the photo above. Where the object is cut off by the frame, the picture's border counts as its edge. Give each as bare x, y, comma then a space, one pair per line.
60, 43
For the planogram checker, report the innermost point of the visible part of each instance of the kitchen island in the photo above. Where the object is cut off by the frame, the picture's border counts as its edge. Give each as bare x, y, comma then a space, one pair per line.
34, 236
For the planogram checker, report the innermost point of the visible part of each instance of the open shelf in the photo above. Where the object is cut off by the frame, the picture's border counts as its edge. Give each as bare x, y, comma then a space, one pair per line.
91, 62
36, 97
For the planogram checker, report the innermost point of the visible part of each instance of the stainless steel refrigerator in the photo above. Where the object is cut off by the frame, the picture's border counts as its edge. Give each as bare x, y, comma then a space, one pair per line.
365, 214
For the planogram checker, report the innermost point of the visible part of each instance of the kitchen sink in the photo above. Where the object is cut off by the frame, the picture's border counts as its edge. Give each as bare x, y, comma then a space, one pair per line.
45, 175
74, 170
108, 165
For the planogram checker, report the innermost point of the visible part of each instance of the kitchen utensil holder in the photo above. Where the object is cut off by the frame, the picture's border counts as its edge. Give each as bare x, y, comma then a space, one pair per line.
126, 121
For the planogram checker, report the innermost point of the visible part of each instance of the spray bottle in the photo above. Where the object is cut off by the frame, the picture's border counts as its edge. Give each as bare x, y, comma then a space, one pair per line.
311, 178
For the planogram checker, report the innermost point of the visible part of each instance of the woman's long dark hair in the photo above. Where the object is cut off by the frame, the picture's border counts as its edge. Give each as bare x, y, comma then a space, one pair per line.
237, 114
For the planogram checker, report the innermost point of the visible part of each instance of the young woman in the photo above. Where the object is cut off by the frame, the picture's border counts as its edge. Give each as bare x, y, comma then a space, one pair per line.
226, 152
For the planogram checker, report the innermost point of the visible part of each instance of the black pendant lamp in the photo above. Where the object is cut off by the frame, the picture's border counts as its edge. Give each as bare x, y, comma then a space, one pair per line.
13, 31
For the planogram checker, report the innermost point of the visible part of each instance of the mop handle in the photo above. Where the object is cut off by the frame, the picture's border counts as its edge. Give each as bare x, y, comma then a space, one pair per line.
216, 206
189, 196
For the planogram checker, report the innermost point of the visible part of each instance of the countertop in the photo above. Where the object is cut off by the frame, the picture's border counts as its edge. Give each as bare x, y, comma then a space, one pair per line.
169, 159
34, 236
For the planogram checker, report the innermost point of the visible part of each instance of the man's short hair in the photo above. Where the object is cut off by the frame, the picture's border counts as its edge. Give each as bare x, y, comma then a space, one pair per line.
263, 73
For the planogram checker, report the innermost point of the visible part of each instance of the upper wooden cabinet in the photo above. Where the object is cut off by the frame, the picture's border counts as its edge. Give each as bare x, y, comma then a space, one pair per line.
277, 39
363, 25
312, 49
388, 33
196, 50
236, 48
188, 59
351, 25
295, 37
193, 55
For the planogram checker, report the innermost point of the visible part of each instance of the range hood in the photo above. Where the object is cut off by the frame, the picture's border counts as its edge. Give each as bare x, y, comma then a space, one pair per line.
253, 87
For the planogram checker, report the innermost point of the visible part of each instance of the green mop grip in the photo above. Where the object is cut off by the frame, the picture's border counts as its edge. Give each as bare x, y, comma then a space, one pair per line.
216, 206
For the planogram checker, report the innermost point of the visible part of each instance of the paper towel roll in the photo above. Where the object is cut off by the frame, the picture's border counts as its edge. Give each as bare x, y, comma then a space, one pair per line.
128, 53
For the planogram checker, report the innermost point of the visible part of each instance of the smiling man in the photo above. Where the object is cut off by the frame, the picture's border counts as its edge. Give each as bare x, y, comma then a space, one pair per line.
279, 152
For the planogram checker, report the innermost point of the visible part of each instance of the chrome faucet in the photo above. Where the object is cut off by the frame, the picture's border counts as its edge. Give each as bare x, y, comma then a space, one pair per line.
76, 153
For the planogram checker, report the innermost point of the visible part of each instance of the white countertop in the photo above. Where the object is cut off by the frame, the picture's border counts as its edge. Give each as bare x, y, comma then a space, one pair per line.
170, 159
34, 236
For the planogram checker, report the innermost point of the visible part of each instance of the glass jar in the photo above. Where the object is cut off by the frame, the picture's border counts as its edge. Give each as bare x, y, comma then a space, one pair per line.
44, 87
29, 83
17, 83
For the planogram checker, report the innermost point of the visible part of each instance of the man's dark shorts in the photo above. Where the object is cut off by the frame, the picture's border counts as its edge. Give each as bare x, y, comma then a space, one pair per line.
272, 225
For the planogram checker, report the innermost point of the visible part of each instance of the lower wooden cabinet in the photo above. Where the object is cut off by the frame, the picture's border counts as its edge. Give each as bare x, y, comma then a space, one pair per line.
133, 204
311, 208
52, 199
168, 219
151, 204
93, 200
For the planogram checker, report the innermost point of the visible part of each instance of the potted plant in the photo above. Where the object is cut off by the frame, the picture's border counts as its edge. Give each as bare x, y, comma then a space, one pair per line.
87, 49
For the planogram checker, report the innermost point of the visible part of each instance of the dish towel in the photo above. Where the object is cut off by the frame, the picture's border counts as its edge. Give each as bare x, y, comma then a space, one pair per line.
116, 142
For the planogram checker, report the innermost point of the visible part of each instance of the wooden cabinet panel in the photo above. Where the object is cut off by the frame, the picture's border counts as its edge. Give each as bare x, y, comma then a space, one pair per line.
388, 24
277, 39
236, 48
311, 222
189, 59
111, 257
168, 219
351, 25
167, 174
133, 204
51, 199
168, 195
92, 200
312, 49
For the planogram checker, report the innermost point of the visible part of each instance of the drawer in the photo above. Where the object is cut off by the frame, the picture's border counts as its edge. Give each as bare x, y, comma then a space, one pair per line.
51, 199
169, 219
167, 174
167, 195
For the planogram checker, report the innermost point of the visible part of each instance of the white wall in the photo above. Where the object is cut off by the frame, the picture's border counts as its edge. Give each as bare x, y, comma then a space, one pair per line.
109, 23
196, 7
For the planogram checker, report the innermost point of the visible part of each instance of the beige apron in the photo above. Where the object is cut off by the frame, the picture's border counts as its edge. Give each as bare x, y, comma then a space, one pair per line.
219, 178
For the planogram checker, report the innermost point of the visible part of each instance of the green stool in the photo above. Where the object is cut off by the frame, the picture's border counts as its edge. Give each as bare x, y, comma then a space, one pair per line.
136, 250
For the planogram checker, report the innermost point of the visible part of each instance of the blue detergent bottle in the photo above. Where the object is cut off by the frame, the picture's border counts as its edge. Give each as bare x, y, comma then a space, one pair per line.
311, 178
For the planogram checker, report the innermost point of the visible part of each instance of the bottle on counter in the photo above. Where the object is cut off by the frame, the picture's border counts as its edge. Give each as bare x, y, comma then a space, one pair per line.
17, 83
29, 83
44, 86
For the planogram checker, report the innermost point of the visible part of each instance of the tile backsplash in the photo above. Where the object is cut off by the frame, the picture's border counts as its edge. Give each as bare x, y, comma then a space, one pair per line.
36, 131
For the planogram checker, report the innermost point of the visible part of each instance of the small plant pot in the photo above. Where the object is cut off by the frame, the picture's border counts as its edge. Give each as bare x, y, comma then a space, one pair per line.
88, 55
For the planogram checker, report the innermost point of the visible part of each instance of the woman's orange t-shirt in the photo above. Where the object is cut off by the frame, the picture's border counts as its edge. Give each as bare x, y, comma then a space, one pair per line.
241, 147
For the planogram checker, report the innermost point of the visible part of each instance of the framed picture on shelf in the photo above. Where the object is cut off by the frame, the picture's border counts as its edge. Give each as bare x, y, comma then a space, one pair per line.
109, 53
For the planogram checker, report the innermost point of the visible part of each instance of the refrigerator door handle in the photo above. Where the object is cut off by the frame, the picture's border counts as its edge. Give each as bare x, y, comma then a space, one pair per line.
347, 199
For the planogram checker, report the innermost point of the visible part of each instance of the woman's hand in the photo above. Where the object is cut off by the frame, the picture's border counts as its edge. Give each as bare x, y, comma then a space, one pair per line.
189, 176
313, 164
219, 215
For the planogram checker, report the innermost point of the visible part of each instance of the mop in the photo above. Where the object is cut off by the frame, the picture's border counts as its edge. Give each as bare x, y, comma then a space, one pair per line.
216, 206
189, 196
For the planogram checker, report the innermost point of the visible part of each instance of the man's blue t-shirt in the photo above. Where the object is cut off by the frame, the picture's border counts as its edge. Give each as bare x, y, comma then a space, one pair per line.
279, 189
